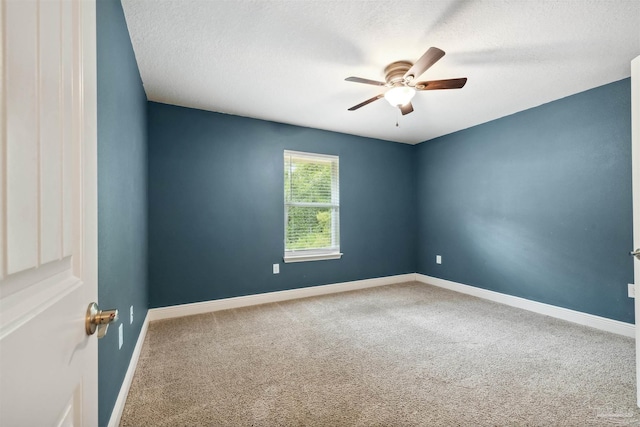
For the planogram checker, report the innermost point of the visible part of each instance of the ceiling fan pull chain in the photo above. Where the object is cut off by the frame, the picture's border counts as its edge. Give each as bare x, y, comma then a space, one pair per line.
397, 116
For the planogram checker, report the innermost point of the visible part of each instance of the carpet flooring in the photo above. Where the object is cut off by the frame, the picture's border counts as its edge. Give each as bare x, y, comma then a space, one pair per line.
400, 355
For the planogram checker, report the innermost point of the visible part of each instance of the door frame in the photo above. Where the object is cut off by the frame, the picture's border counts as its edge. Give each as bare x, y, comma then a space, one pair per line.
88, 179
635, 160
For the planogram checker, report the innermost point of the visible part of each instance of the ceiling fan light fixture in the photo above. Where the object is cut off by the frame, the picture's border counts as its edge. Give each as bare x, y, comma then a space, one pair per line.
399, 95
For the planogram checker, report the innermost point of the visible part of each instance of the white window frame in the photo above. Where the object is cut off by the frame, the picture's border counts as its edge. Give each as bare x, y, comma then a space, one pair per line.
301, 255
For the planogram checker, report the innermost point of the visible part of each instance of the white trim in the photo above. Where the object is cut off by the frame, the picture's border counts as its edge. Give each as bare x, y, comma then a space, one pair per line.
312, 156
236, 302
311, 257
161, 313
309, 254
118, 408
635, 181
585, 319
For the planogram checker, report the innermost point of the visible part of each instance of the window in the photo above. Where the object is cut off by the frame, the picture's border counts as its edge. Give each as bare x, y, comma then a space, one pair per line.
311, 207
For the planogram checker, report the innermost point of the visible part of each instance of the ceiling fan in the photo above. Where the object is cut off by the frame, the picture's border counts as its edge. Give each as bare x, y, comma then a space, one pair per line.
399, 78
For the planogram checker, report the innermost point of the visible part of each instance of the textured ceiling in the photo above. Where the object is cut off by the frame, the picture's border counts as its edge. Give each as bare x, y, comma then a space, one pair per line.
286, 61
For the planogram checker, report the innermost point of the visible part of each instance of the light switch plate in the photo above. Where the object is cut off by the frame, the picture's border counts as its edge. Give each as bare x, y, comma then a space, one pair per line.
276, 268
631, 288
438, 259
120, 336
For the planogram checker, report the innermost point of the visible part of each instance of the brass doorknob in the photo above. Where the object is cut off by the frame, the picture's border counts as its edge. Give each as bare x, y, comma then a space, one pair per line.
99, 319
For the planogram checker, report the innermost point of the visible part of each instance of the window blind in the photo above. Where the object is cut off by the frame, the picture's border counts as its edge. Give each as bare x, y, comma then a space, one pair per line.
312, 204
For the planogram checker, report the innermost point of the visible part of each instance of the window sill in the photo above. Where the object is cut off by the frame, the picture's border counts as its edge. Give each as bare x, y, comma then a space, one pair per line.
316, 257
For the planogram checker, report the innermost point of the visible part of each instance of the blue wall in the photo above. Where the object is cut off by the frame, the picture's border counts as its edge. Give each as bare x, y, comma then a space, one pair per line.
536, 205
122, 197
216, 206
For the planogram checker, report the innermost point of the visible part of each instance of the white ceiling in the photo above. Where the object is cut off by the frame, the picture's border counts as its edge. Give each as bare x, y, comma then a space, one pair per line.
286, 61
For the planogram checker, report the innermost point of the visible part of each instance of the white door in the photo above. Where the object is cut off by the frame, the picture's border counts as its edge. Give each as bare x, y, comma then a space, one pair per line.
635, 155
48, 219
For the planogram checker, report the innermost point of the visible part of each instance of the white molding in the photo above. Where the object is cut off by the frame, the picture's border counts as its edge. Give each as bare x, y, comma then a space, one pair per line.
585, 319
118, 408
311, 257
597, 322
248, 300
153, 314
635, 181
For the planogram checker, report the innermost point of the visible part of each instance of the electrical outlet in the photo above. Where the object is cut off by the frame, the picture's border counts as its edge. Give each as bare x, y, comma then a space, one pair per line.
631, 290
120, 336
276, 268
438, 259
131, 315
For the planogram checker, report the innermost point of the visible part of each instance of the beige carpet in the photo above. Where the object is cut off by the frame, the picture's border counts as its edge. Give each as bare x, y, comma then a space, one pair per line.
400, 355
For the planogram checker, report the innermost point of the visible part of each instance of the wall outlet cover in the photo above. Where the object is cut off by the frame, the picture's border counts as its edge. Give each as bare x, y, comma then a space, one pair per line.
276, 268
131, 315
631, 289
438, 259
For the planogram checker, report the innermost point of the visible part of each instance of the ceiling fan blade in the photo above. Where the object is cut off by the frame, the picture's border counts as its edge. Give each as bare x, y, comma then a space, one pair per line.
365, 81
406, 109
441, 84
429, 58
368, 101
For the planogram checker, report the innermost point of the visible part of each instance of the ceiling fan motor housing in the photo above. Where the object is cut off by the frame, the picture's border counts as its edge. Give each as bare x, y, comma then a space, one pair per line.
394, 72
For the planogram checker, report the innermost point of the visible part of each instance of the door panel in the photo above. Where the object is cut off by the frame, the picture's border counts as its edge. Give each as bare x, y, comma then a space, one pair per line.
50, 81
48, 219
21, 32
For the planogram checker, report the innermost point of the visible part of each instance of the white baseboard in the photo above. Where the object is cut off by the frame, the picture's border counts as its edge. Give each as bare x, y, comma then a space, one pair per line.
597, 322
244, 301
116, 413
602, 323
